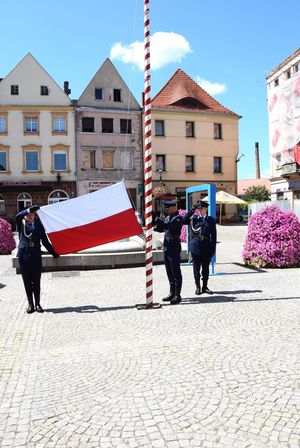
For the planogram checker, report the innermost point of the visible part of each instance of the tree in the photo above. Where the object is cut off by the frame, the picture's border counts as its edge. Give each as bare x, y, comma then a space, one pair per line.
257, 194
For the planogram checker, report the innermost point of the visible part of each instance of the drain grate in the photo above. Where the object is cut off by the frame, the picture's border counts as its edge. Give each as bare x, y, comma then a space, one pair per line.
66, 274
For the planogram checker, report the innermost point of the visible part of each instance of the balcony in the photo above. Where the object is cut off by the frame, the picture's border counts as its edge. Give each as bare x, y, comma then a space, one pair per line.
288, 169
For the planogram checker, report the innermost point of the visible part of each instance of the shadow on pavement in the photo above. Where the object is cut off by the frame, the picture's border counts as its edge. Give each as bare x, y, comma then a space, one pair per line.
87, 309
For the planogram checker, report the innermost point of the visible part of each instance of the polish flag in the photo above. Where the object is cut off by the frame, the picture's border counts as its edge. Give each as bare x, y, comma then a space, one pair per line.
96, 218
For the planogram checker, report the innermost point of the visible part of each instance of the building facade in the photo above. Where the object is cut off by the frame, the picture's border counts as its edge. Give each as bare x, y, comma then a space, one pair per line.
283, 84
109, 135
194, 140
37, 140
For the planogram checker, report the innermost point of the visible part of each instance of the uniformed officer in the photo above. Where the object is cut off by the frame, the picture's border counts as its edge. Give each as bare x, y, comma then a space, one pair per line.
171, 225
31, 233
202, 243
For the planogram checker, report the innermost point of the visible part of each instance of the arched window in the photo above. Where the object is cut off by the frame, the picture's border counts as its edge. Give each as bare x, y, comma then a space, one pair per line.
57, 196
24, 201
2, 205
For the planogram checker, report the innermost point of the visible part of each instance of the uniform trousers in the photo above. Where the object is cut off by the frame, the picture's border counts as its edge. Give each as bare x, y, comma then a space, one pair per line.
172, 263
31, 270
198, 261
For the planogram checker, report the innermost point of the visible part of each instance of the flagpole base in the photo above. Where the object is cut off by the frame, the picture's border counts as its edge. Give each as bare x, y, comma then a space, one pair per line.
148, 306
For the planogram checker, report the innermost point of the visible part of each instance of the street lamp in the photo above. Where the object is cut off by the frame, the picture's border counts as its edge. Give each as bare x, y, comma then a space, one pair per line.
160, 176
160, 183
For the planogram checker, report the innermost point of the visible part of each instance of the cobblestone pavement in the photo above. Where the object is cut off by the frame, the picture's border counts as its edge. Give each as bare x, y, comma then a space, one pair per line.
93, 371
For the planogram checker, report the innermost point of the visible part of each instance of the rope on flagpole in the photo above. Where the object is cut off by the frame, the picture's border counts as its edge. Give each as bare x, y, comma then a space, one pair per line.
148, 157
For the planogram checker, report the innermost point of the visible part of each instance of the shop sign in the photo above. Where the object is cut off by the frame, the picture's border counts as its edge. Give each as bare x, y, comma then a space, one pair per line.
98, 185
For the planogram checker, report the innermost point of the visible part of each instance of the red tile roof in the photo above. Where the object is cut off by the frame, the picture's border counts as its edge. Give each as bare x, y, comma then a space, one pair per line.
181, 93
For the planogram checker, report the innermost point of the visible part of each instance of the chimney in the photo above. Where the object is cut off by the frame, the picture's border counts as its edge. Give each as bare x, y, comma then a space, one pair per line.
257, 165
66, 88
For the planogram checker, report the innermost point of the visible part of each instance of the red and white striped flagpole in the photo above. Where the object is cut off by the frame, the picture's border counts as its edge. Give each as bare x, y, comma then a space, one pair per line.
148, 156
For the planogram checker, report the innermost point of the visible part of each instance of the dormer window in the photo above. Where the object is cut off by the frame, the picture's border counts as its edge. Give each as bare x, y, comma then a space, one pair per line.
44, 90
14, 90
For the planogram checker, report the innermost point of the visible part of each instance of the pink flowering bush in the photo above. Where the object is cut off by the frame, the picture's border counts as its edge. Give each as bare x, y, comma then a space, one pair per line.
7, 241
273, 239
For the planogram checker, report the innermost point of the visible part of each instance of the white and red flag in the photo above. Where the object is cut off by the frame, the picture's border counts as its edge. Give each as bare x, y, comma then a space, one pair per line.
96, 218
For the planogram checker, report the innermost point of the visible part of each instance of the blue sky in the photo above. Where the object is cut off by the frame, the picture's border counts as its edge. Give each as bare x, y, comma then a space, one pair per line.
229, 46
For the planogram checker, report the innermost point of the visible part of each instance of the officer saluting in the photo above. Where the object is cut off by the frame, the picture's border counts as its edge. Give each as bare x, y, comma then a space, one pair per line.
202, 243
171, 225
31, 233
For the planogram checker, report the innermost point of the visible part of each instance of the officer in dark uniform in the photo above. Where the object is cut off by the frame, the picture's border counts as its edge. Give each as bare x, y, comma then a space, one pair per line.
171, 225
202, 243
31, 233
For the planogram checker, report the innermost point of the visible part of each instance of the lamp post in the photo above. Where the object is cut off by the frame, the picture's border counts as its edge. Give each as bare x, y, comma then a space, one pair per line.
160, 184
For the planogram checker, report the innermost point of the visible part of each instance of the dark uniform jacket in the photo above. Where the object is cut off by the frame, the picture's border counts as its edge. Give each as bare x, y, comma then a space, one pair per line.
30, 246
203, 238
171, 225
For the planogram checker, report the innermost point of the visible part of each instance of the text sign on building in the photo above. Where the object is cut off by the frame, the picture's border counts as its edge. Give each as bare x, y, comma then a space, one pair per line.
99, 185
21, 183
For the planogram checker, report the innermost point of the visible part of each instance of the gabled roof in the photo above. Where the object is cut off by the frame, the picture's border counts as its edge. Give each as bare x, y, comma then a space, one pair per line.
30, 75
108, 78
181, 93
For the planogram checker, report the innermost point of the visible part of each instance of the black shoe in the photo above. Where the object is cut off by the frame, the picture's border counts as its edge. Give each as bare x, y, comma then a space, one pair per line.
30, 309
39, 309
169, 297
198, 291
206, 291
176, 300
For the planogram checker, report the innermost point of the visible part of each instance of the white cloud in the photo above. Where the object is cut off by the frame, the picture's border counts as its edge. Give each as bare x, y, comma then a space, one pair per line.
165, 48
210, 87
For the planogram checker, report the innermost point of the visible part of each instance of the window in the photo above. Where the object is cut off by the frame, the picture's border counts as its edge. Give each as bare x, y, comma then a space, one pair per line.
117, 95
159, 128
89, 159
57, 196
160, 162
189, 129
125, 126
59, 124
98, 94
278, 160
217, 164
2, 205
44, 90
31, 122
127, 160
3, 161
288, 74
32, 161
107, 125
24, 201
3, 123
276, 82
296, 68
217, 130
280, 196
31, 158
189, 164
108, 159
88, 124
60, 161
60, 158
14, 90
